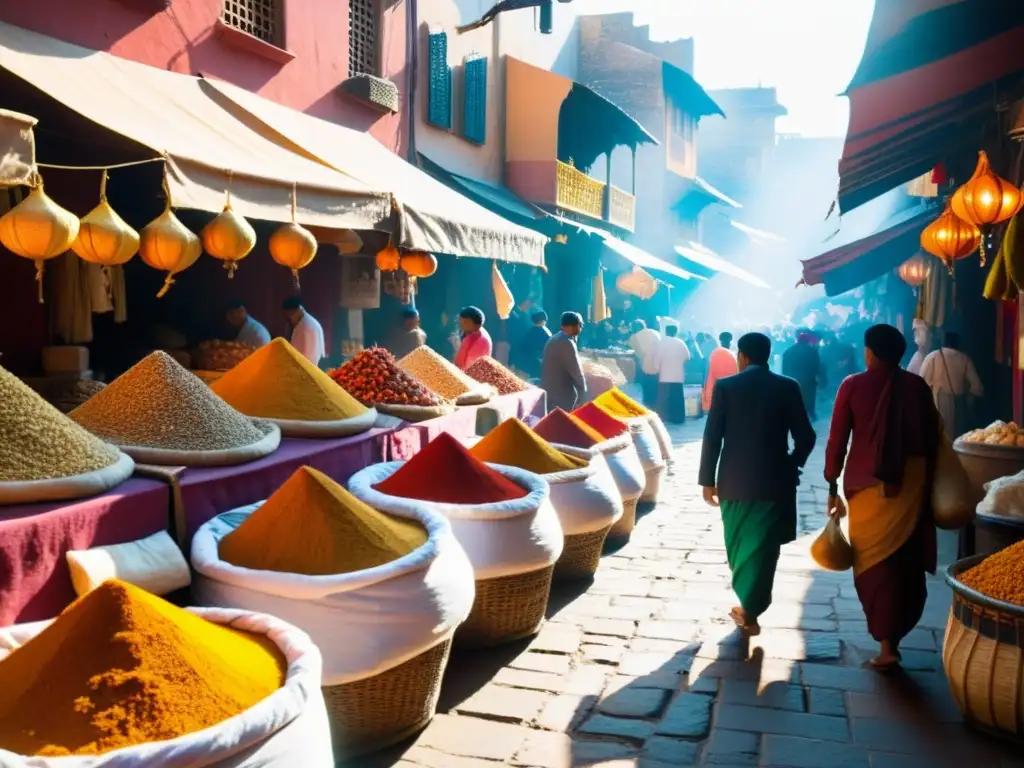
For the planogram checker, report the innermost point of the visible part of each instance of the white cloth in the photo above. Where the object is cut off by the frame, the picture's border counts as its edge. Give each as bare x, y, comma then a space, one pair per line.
914, 366
253, 333
963, 378
644, 344
671, 358
154, 563
308, 339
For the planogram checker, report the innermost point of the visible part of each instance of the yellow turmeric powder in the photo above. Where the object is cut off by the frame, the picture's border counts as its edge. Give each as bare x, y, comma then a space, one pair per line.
617, 403
276, 382
514, 444
999, 576
313, 526
121, 667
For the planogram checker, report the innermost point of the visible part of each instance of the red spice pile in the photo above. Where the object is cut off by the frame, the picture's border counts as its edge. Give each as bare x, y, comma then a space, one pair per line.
489, 371
561, 427
446, 472
373, 376
600, 420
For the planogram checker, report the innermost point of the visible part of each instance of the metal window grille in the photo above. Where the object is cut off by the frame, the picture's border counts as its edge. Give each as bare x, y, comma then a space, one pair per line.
439, 96
259, 18
474, 121
362, 37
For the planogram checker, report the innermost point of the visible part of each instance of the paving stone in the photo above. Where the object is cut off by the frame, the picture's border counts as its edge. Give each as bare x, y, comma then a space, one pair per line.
613, 627
681, 632
619, 727
793, 752
892, 760
843, 678
688, 716
499, 702
602, 654
635, 702
565, 711
524, 678
670, 751
751, 694
589, 679
596, 753
554, 663
891, 706
637, 664
798, 646
732, 748
421, 757
556, 638
762, 720
766, 670
825, 701
654, 645
701, 684
667, 681
472, 737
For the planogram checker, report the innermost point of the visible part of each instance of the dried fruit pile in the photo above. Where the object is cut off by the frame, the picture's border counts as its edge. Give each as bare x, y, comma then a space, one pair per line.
440, 375
221, 355
373, 376
487, 370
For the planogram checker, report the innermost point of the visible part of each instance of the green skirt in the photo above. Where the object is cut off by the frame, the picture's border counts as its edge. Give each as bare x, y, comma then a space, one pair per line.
754, 534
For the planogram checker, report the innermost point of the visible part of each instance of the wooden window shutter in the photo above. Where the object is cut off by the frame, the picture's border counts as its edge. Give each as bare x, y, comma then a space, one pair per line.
439, 99
474, 115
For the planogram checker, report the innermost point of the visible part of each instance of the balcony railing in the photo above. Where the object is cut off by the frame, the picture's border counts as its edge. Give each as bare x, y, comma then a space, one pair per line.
578, 192
621, 208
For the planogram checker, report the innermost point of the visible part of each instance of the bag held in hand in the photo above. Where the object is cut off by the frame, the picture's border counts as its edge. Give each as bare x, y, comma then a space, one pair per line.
953, 497
831, 550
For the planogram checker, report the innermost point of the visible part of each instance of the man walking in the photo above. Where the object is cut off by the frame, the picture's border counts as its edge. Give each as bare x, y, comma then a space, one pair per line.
671, 357
802, 362
721, 363
644, 343
747, 469
561, 371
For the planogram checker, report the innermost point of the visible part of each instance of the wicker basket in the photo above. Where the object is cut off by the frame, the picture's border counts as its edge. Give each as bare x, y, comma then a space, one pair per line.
624, 527
506, 609
377, 712
581, 555
983, 655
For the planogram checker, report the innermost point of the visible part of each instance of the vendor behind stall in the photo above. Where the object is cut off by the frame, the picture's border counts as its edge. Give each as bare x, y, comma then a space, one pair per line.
476, 341
251, 332
409, 336
307, 335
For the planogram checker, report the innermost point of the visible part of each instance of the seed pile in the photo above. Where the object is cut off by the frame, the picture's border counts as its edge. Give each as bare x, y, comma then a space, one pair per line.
313, 526
373, 376
440, 375
276, 382
600, 420
38, 442
487, 370
619, 404
121, 667
158, 404
514, 444
999, 576
564, 428
217, 355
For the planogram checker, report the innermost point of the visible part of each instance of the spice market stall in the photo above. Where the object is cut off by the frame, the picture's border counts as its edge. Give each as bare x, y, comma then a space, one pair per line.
640, 431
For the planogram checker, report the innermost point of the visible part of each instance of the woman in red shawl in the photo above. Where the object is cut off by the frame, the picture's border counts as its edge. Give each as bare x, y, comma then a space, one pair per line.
887, 483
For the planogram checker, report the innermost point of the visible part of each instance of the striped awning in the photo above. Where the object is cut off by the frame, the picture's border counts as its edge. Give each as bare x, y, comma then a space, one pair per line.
927, 83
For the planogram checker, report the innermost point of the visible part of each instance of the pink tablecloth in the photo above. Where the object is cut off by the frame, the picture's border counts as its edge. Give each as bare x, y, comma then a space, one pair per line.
34, 579
462, 423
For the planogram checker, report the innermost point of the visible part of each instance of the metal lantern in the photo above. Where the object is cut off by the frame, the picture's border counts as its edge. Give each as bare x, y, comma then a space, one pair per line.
914, 271
950, 238
986, 199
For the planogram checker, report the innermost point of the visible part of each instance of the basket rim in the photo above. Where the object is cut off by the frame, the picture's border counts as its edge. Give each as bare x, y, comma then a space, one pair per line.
952, 573
965, 447
1009, 522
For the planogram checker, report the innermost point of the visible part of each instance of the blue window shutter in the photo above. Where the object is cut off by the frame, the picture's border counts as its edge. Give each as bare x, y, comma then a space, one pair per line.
439, 101
474, 123
546, 17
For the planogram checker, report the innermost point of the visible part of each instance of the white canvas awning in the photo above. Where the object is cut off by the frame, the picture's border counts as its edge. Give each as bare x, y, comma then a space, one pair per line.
708, 259
204, 145
17, 148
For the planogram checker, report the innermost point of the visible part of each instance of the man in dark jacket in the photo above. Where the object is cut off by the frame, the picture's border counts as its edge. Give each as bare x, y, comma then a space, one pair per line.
802, 362
531, 348
747, 469
562, 373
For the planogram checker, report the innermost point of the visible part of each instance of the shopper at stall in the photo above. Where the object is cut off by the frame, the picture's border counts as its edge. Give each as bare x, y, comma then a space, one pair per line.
887, 477
721, 363
955, 384
531, 347
476, 341
671, 357
409, 335
307, 335
746, 467
251, 332
561, 371
644, 343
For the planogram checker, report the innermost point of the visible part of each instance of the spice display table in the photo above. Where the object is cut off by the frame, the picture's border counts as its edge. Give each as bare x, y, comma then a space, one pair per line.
462, 423
34, 538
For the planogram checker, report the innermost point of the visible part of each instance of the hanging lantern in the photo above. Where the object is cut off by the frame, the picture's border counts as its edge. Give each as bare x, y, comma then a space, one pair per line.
292, 245
229, 237
104, 237
38, 229
419, 264
986, 199
950, 238
388, 258
167, 245
637, 283
914, 271
349, 242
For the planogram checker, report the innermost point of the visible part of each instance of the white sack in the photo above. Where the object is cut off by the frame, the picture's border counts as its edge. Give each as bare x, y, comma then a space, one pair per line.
585, 499
154, 563
1004, 497
289, 728
365, 622
660, 434
501, 539
620, 453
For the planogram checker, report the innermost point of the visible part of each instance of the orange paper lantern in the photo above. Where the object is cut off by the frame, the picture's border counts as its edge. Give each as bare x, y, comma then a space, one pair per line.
388, 258
950, 238
986, 198
914, 271
419, 264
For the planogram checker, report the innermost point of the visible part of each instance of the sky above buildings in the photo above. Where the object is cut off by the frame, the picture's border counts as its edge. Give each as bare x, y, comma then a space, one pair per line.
807, 49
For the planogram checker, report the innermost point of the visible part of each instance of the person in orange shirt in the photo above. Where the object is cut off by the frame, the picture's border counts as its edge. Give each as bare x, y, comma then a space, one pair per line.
721, 363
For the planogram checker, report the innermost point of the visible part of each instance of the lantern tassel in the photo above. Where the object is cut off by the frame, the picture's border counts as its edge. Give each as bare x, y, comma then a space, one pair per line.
166, 286
231, 266
981, 249
295, 277
39, 281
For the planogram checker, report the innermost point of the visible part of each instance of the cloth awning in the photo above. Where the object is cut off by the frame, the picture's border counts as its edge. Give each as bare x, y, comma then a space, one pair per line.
433, 217
17, 148
687, 93
708, 259
205, 147
854, 264
641, 258
757, 236
924, 88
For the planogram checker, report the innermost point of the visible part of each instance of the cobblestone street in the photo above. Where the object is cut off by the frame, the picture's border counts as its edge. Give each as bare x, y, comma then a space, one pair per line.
644, 668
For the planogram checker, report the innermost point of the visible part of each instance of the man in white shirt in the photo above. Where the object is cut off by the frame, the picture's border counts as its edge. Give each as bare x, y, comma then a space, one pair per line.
671, 358
923, 339
251, 332
644, 343
954, 382
307, 334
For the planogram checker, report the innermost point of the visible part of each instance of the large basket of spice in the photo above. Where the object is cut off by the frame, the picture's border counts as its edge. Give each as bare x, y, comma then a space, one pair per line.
983, 652
570, 435
122, 678
277, 384
318, 557
445, 378
583, 492
642, 435
502, 517
375, 379
617, 403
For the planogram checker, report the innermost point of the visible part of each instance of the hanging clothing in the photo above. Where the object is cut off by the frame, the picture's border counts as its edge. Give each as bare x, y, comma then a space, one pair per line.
721, 363
954, 383
308, 339
475, 345
754, 534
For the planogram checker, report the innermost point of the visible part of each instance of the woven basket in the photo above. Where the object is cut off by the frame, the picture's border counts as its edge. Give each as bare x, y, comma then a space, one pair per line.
983, 655
376, 712
624, 527
506, 609
581, 555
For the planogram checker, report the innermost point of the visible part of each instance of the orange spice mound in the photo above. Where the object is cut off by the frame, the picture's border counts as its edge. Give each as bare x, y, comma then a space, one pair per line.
602, 421
514, 444
313, 526
561, 427
999, 576
121, 667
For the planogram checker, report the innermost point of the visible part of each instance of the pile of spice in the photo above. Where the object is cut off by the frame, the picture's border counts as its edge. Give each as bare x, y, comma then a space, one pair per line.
999, 576
373, 376
38, 442
619, 404
446, 472
514, 444
221, 355
313, 526
564, 428
439, 374
600, 420
121, 667
159, 404
276, 382
487, 370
